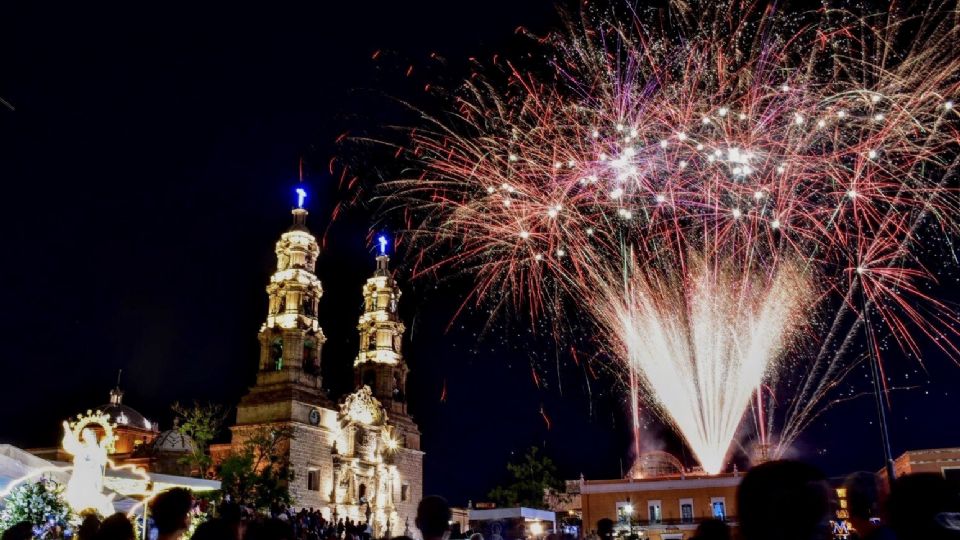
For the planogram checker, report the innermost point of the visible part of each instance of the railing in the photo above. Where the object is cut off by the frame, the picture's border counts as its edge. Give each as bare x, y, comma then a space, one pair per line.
678, 521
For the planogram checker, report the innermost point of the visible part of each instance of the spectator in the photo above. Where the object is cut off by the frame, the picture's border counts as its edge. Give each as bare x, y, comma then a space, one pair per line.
269, 529
232, 515
88, 527
863, 505
116, 527
712, 529
19, 531
924, 506
215, 529
171, 513
605, 529
433, 518
784, 500
476, 536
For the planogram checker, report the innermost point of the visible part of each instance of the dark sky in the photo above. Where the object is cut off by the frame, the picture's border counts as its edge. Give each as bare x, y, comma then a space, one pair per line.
148, 170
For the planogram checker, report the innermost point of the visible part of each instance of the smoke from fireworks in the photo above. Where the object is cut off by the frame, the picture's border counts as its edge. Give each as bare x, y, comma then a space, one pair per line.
704, 185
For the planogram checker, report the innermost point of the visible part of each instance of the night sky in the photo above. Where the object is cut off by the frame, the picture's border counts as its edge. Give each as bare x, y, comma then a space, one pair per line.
148, 169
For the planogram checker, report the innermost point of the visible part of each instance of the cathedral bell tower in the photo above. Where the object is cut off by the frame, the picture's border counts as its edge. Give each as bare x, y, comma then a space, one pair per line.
379, 364
291, 339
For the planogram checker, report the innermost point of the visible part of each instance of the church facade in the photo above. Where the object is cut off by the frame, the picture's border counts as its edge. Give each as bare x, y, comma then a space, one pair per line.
358, 458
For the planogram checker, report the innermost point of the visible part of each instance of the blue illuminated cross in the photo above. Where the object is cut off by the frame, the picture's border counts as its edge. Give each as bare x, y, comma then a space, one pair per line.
301, 196
383, 244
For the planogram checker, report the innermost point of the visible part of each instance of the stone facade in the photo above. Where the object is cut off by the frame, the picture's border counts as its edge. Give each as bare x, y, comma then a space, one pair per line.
358, 459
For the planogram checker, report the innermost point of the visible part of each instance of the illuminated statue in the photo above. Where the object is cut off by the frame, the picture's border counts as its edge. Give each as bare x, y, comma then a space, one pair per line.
85, 487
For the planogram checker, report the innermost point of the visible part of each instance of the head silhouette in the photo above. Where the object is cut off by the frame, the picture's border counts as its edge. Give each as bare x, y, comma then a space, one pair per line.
433, 517
778, 488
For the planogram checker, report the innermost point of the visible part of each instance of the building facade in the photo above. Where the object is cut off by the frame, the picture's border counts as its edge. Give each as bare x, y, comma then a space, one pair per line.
665, 508
358, 458
942, 461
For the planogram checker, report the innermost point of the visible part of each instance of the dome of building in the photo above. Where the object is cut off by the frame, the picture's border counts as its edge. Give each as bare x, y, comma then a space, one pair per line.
125, 415
654, 465
172, 441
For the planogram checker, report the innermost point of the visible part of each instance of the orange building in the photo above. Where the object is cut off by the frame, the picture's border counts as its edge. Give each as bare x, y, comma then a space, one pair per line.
661, 508
943, 461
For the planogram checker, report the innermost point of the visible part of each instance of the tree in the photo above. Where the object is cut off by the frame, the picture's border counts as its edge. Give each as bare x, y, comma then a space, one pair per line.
531, 480
259, 474
202, 424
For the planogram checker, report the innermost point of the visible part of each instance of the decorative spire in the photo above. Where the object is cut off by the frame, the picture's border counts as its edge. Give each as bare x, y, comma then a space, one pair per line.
300, 213
116, 395
383, 260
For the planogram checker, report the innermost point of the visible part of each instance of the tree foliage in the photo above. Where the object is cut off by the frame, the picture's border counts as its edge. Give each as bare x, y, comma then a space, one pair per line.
38, 503
259, 473
531, 480
201, 423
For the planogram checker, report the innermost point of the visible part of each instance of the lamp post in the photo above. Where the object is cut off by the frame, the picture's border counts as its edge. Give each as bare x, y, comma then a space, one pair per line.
878, 393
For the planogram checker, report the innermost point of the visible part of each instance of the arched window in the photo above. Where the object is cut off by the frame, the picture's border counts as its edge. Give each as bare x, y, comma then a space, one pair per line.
372, 341
370, 379
308, 306
310, 358
276, 354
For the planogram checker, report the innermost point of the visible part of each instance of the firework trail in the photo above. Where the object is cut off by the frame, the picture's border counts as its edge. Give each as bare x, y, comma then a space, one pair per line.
708, 187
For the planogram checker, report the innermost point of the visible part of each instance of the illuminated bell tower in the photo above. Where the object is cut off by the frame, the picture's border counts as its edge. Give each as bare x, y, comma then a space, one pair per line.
379, 363
291, 339
380, 367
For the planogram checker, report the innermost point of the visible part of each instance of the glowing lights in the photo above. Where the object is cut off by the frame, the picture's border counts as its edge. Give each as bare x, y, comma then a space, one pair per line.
301, 197
722, 213
382, 240
536, 528
85, 487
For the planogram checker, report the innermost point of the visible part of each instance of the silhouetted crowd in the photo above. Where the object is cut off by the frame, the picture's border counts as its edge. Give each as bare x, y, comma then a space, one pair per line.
778, 500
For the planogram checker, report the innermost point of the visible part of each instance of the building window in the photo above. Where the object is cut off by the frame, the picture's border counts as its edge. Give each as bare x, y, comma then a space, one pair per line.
624, 512
313, 480
654, 511
686, 510
404, 492
718, 508
276, 354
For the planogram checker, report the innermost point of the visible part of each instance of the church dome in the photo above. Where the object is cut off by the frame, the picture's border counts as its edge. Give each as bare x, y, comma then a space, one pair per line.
172, 441
125, 415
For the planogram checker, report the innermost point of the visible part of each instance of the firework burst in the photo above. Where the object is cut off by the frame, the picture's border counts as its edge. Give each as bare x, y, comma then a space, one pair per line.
706, 186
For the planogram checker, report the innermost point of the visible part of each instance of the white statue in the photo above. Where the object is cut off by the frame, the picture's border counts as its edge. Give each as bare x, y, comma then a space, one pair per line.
85, 487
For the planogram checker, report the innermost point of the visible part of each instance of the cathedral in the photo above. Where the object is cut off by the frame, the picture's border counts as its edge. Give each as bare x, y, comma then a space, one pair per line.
358, 458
